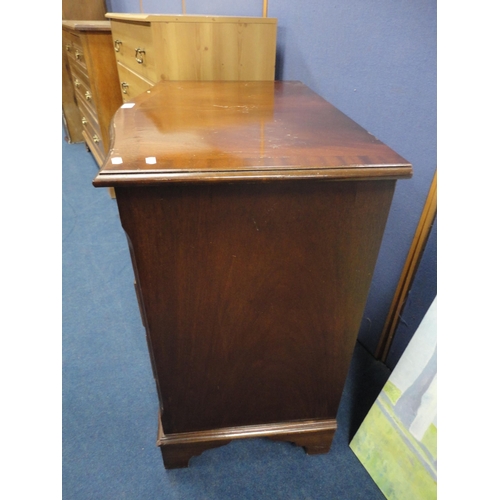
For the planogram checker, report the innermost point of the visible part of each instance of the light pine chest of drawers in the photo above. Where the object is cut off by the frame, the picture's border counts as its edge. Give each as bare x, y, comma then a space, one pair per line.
89, 49
154, 47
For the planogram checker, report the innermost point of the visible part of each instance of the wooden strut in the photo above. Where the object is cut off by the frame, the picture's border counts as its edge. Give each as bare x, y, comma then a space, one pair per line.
409, 270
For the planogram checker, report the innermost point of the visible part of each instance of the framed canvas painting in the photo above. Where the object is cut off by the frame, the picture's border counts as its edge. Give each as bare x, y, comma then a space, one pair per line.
397, 441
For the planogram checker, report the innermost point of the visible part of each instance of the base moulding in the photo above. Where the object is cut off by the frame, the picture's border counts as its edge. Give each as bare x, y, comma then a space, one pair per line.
315, 436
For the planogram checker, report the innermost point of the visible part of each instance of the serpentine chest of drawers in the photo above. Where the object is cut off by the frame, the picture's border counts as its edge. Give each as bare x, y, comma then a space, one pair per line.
254, 212
154, 47
90, 54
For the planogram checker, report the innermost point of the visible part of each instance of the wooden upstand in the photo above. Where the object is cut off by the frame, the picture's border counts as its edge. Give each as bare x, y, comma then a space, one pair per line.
154, 47
254, 213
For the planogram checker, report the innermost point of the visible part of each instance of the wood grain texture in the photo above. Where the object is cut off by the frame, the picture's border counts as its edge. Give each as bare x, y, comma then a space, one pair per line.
314, 436
133, 36
241, 130
95, 80
86, 25
103, 76
71, 113
251, 288
131, 84
189, 18
217, 51
90, 9
192, 48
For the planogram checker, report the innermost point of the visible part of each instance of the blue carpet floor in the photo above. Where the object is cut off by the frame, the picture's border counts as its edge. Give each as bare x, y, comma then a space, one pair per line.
109, 398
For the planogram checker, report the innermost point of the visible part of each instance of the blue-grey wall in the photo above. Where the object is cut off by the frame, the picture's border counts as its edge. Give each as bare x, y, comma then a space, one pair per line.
375, 61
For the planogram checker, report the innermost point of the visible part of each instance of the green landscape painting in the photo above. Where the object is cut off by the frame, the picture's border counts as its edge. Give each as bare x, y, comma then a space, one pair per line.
397, 441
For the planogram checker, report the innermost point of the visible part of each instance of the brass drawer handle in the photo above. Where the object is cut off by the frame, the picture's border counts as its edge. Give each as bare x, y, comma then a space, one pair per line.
117, 45
124, 87
95, 139
78, 55
140, 53
88, 95
68, 46
77, 83
84, 120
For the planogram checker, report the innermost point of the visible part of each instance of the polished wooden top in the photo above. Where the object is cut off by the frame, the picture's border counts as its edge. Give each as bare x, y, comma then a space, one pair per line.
188, 18
87, 25
236, 131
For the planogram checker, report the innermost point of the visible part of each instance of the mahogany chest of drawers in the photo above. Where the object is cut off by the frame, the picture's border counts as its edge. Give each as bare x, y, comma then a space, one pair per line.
154, 47
89, 50
254, 213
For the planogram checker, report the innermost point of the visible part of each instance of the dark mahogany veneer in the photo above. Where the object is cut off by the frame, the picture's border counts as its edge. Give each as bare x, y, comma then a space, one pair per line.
254, 213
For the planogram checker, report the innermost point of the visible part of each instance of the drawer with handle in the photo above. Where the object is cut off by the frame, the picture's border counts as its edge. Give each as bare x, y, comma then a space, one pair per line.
79, 77
134, 47
75, 52
93, 137
95, 145
83, 91
67, 39
131, 84
89, 124
89, 112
